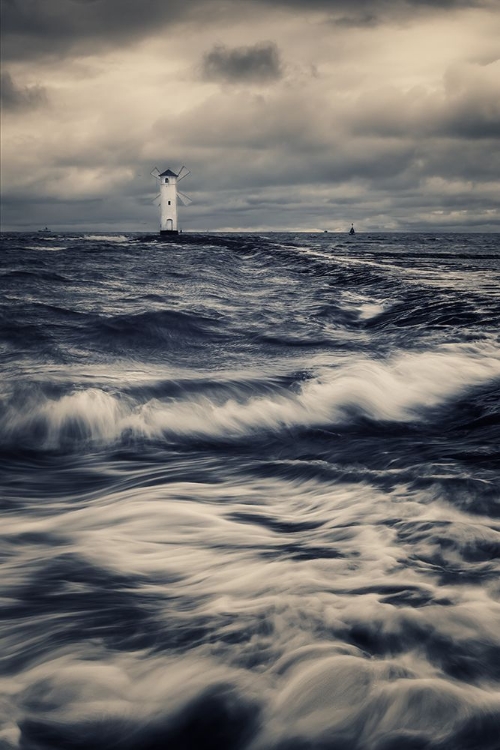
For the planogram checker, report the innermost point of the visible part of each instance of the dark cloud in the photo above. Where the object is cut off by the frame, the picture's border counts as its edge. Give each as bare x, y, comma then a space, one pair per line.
37, 27
374, 8
20, 98
372, 13
473, 109
469, 108
357, 20
258, 63
52, 27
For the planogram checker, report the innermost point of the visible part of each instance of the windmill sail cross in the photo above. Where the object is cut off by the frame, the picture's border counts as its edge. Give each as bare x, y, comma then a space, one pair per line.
185, 199
181, 174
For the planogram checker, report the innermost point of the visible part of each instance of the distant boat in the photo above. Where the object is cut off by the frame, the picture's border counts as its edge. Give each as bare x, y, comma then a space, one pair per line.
351, 230
44, 231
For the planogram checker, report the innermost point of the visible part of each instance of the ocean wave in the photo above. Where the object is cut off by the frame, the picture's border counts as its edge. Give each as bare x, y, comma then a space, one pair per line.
337, 700
50, 248
37, 275
401, 389
150, 329
106, 238
210, 540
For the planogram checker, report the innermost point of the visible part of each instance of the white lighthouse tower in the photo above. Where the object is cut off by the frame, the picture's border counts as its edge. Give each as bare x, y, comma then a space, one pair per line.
168, 198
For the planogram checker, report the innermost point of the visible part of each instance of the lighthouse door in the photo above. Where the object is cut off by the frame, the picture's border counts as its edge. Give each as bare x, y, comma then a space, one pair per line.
170, 225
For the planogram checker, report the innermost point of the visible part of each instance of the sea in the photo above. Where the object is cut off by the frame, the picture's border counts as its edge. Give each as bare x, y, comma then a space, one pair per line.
250, 491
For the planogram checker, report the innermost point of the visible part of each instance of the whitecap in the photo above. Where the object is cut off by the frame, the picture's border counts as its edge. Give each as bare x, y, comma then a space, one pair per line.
106, 238
400, 389
48, 248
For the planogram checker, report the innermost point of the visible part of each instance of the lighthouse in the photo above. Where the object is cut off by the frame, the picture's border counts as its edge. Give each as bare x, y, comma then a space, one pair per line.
168, 198
168, 202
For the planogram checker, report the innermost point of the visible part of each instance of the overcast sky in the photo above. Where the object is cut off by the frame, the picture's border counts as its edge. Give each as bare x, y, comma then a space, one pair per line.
290, 115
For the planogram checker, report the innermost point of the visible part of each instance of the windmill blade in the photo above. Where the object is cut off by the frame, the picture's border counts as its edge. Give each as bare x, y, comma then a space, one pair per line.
156, 198
185, 199
181, 176
155, 172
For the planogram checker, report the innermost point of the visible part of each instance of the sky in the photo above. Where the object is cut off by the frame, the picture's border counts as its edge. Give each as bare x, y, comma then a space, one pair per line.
299, 116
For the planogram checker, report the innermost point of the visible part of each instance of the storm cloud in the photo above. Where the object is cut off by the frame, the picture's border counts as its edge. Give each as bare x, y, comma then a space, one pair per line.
261, 62
381, 112
46, 27
14, 97
38, 27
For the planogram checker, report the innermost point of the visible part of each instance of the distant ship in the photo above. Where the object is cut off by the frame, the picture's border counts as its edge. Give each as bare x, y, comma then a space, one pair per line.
351, 230
44, 231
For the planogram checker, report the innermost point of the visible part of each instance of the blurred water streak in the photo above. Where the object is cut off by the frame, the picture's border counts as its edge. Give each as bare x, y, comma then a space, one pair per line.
250, 492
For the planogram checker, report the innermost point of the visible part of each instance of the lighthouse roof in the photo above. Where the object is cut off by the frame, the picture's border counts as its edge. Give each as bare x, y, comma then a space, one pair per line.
168, 173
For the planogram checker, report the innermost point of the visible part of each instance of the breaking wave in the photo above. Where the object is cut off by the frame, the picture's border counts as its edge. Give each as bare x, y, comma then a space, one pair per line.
405, 388
120, 238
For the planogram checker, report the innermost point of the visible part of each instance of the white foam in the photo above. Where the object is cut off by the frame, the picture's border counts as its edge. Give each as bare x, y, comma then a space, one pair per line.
365, 307
397, 390
85, 414
49, 248
107, 237
370, 310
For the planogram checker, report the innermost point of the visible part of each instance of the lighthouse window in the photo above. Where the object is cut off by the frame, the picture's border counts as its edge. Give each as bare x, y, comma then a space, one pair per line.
169, 203
166, 180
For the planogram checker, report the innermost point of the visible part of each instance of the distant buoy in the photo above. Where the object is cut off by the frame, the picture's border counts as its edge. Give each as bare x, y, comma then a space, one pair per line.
351, 230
